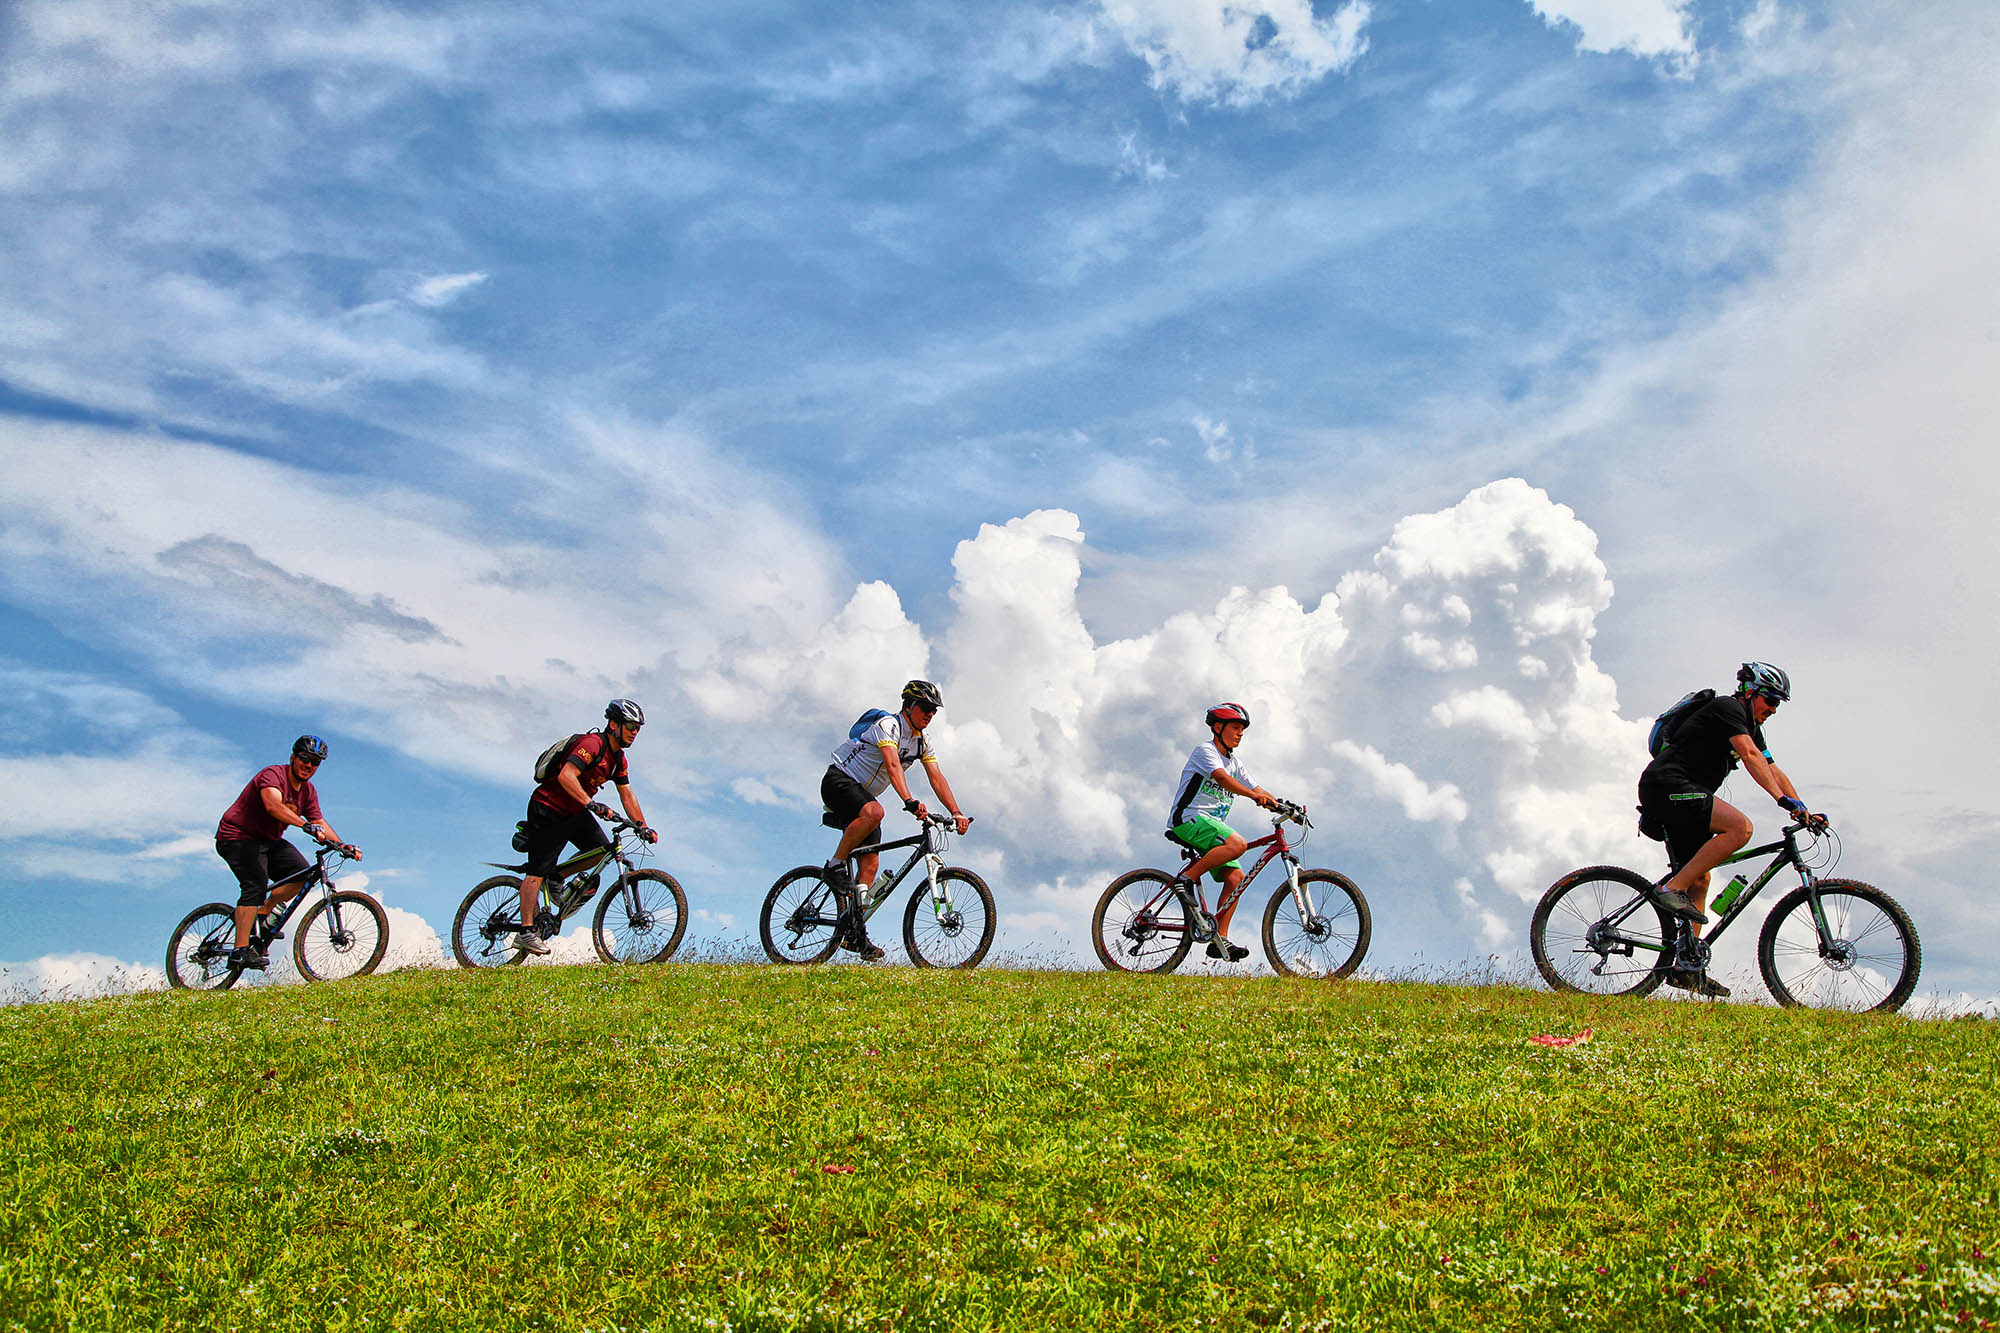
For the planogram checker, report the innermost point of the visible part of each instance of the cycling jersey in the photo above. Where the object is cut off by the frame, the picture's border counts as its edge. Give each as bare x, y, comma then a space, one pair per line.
1197, 793
600, 764
861, 758
1701, 756
248, 820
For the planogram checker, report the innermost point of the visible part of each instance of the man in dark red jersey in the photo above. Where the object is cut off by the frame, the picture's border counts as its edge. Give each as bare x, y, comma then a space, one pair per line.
561, 810
251, 838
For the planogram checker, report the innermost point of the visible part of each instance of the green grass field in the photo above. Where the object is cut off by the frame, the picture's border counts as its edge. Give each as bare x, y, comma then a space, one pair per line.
761, 1148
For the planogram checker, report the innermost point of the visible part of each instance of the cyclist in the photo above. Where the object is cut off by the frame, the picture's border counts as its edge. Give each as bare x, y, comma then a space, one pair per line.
878, 757
1210, 782
251, 839
562, 809
1677, 793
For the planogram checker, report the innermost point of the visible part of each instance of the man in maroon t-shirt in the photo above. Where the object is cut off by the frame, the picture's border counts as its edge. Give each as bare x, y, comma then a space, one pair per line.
251, 838
561, 810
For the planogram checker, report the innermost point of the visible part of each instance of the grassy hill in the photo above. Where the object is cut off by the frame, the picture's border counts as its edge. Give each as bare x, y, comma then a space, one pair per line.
849, 1148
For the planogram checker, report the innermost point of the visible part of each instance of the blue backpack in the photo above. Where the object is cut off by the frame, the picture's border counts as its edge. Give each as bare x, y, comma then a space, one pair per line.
874, 715
1669, 722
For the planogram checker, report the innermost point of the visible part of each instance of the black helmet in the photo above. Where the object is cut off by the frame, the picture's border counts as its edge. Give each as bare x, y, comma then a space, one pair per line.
1765, 679
625, 713
312, 747
922, 692
1225, 712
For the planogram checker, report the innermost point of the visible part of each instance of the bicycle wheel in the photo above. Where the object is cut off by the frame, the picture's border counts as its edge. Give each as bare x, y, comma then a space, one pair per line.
798, 917
1577, 948
482, 934
957, 935
1330, 943
1139, 926
1872, 963
641, 919
341, 935
198, 950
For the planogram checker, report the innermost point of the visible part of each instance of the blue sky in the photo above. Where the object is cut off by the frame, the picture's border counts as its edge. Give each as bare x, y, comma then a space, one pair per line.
1457, 383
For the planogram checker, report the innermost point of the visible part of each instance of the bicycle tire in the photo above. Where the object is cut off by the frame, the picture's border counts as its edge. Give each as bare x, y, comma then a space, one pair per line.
198, 950
355, 950
653, 933
795, 922
1573, 908
1877, 933
490, 914
1152, 939
1329, 947
961, 937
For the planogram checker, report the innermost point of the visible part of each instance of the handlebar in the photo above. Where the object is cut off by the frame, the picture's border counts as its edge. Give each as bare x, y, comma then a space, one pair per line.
1283, 810
605, 812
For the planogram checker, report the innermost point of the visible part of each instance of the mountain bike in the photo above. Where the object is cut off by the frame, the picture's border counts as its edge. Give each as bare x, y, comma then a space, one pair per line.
1828, 944
639, 920
1316, 924
948, 923
343, 933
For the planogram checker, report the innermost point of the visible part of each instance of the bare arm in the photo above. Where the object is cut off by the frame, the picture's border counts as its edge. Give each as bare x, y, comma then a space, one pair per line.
935, 773
1229, 784
1765, 773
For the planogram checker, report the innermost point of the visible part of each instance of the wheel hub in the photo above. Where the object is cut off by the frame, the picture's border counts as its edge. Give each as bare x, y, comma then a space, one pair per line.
1840, 955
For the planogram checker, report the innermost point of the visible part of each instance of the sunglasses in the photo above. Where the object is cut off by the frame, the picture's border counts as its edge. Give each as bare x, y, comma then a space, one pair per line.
310, 761
1770, 701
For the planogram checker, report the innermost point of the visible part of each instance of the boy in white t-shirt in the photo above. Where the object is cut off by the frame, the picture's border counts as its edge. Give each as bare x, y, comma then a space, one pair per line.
1210, 783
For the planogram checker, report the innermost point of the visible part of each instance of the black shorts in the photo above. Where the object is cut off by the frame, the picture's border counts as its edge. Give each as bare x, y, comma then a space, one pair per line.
258, 861
843, 797
549, 830
1684, 812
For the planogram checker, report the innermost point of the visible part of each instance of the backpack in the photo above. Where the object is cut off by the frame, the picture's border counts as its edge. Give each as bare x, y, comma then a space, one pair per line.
865, 721
552, 758
1669, 722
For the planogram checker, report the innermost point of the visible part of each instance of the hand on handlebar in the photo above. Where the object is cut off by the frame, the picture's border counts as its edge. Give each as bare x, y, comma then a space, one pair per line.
647, 834
600, 809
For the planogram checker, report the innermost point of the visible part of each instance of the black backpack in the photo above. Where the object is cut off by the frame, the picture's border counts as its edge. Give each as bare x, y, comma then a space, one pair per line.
1669, 722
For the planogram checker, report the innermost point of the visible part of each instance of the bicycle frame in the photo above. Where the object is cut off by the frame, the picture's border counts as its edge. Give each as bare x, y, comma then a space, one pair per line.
1784, 852
1276, 845
269, 924
929, 844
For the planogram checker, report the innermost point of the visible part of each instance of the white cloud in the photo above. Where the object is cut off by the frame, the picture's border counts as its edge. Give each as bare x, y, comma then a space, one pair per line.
1239, 54
76, 976
1642, 27
445, 288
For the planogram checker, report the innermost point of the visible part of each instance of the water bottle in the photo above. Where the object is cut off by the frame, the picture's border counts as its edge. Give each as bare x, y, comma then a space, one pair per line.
1730, 893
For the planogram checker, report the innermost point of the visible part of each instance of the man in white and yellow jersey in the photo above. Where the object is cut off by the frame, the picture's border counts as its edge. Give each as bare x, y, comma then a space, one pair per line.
874, 758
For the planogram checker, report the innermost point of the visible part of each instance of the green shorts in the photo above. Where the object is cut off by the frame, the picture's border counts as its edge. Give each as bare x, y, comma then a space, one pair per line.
1204, 832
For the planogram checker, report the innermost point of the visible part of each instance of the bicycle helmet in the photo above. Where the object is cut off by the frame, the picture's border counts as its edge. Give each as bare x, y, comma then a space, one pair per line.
311, 747
924, 693
625, 713
1765, 679
1222, 713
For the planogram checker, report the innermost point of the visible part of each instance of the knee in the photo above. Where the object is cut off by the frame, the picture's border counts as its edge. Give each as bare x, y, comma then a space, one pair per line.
251, 897
1235, 847
871, 815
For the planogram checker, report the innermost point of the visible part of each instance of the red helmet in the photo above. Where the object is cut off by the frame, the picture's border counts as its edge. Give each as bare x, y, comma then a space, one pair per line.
1228, 713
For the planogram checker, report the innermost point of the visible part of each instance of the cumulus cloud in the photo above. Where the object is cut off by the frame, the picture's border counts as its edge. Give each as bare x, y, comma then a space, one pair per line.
76, 976
1641, 27
1238, 54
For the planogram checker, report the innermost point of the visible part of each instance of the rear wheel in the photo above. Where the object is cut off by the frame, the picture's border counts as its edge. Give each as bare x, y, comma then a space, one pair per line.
482, 934
799, 915
956, 932
1595, 931
641, 919
1870, 962
1330, 941
1140, 924
341, 935
198, 950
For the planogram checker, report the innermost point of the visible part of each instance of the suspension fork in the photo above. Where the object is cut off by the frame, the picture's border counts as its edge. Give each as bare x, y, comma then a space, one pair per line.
1300, 899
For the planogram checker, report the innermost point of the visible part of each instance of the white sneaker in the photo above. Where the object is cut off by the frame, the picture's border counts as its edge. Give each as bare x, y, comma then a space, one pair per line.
528, 941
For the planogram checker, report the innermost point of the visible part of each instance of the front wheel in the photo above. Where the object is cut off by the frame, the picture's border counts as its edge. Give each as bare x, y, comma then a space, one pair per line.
1327, 940
953, 929
1868, 959
1597, 932
198, 950
1140, 924
799, 916
341, 935
482, 934
641, 919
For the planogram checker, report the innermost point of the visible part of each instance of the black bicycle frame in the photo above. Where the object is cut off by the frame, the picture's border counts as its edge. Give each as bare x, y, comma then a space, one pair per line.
1787, 854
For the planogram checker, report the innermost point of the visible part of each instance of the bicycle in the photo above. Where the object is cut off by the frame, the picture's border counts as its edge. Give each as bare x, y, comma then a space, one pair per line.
801, 914
1828, 944
1316, 924
343, 934
641, 919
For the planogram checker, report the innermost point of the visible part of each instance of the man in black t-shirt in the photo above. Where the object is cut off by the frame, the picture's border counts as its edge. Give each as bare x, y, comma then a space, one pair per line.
1677, 790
